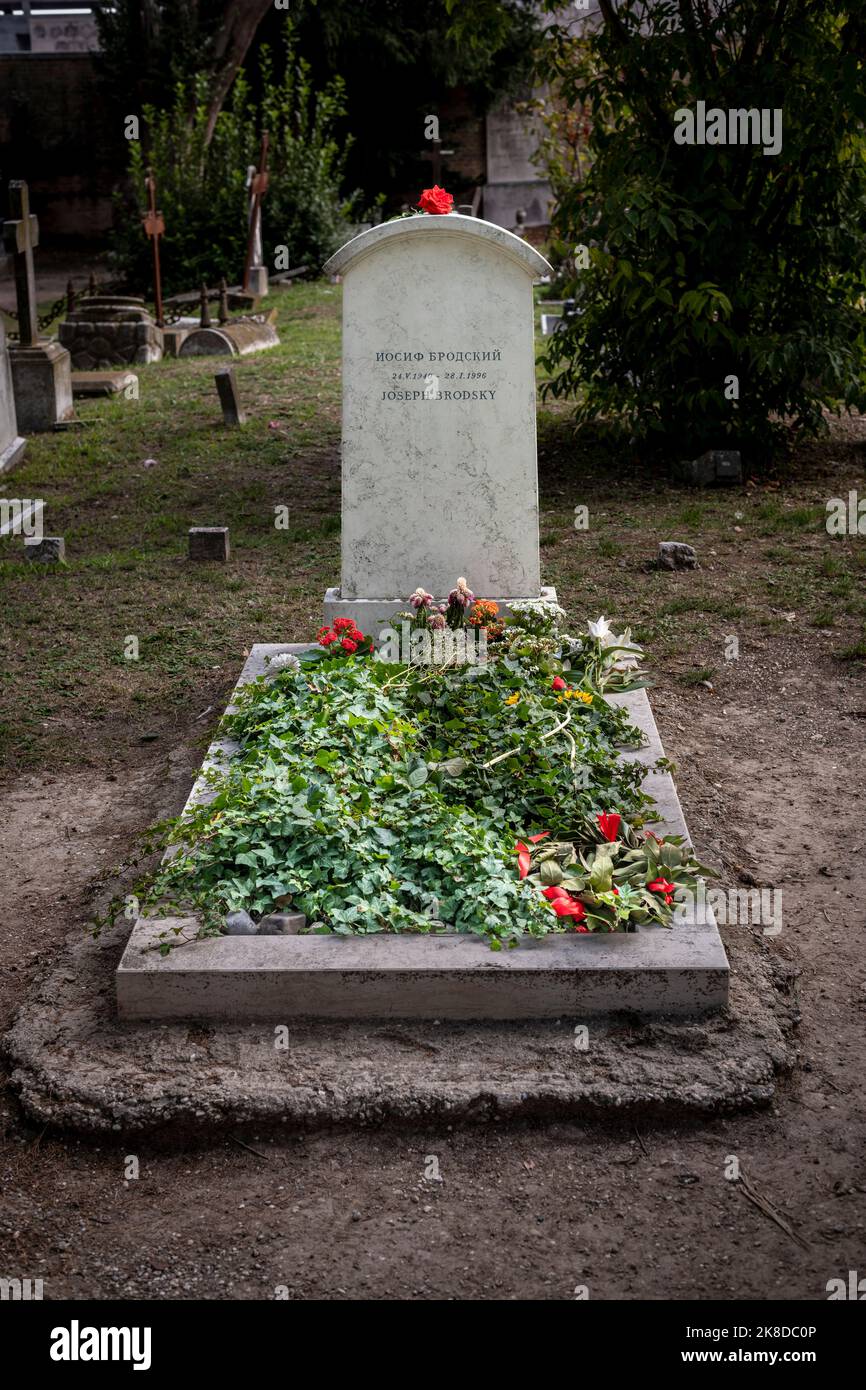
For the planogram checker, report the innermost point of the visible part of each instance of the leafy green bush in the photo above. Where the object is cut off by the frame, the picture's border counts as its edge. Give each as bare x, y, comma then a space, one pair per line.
200, 186
709, 262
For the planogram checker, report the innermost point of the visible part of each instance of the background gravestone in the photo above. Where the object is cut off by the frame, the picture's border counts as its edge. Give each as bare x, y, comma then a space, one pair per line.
108, 331
439, 450
41, 372
11, 443
513, 182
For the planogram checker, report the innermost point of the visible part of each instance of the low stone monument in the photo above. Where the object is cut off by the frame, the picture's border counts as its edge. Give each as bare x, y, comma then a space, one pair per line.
41, 369
237, 338
11, 443
104, 331
439, 446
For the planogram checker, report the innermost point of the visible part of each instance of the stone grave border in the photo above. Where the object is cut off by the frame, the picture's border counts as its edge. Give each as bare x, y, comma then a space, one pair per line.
682, 970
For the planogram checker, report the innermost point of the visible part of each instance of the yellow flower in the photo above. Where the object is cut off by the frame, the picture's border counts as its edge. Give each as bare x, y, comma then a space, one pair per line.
512, 699
584, 696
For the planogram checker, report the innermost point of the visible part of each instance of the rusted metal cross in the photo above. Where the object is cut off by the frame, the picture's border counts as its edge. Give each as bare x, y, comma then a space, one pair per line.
154, 226
258, 189
20, 236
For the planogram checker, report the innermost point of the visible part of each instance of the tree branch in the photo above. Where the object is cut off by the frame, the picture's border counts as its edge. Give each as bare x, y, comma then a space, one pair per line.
241, 19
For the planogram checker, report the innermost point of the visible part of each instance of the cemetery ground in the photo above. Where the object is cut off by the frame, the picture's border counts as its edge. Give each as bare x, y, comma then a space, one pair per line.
770, 754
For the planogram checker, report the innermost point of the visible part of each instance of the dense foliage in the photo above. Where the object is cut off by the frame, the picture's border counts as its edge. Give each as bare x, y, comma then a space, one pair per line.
722, 287
201, 190
399, 61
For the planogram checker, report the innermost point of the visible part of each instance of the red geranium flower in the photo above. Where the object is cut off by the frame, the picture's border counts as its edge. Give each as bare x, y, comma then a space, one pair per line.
327, 638
435, 200
348, 645
558, 683
342, 624
608, 824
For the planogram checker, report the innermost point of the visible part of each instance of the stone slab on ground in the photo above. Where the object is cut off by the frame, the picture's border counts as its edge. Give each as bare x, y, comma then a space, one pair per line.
74, 1065
85, 384
681, 970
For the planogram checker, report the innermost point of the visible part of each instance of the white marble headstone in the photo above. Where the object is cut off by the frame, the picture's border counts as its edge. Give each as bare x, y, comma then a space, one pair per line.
439, 450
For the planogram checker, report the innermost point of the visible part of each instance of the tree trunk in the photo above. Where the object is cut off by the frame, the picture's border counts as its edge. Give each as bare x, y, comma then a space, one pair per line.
241, 19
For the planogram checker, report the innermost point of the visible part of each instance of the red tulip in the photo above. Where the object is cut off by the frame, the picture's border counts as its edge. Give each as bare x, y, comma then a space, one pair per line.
533, 839
661, 885
523, 858
608, 824
563, 904
558, 683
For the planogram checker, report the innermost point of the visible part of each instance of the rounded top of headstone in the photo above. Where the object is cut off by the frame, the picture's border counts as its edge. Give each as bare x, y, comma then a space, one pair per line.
453, 224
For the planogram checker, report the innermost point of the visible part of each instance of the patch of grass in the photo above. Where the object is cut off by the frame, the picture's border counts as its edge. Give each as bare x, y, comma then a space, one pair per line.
697, 676
773, 517
856, 652
692, 514
608, 548
701, 603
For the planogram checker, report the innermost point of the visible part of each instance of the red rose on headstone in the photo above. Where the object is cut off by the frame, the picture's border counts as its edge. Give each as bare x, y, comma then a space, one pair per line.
435, 200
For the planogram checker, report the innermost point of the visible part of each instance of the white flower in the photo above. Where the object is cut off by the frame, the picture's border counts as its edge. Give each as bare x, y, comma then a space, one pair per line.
629, 658
600, 629
284, 661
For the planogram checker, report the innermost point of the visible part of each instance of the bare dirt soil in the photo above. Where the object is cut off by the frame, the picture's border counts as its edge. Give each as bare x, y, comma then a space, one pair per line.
771, 780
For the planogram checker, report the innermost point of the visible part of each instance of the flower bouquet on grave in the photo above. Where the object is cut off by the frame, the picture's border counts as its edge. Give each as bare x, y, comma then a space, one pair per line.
613, 883
342, 639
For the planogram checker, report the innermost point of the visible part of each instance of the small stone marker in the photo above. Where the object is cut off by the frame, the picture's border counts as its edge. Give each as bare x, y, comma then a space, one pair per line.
676, 555
240, 923
51, 550
209, 543
282, 924
227, 388
716, 466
